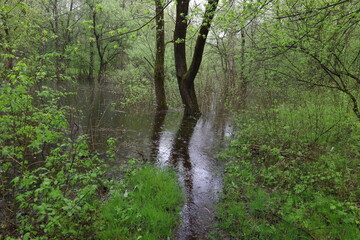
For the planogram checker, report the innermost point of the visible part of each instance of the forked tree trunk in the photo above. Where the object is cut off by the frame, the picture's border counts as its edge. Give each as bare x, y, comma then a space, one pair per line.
184, 75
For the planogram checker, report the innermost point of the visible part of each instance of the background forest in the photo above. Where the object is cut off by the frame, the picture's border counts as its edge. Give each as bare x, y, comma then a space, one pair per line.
287, 70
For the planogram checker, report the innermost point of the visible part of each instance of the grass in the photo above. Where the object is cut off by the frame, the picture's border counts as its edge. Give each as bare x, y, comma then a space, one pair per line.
292, 173
146, 206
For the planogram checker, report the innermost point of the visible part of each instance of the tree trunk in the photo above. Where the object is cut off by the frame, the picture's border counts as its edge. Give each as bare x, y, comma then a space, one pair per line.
57, 42
56, 25
100, 51
91, 64
184, 75
231, 63
243, 80
159, 76
9, 62
102, 70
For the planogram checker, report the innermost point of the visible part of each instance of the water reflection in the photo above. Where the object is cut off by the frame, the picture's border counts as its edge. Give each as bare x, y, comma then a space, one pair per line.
159, 120
167, 139
191, 152
180, 158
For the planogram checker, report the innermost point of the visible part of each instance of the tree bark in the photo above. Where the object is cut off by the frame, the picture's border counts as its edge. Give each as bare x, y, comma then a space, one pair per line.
57, 39
91, 64
9, 63
184, 75
231, 56
100, 50
159, 76
243, 80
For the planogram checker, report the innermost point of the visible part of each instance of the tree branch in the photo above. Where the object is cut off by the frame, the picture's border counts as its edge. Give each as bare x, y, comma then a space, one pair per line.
139, 28
313, 10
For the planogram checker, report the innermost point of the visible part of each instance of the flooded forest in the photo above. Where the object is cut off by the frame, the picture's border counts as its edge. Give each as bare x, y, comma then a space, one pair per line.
182, 120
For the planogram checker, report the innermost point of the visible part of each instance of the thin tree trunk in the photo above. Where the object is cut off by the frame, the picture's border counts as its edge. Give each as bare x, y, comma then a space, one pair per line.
102, 63
232, 68
159, 76
243, 80
91, 64
355, 103
67, 30
102, 69
9, 63
56, 24
57, 42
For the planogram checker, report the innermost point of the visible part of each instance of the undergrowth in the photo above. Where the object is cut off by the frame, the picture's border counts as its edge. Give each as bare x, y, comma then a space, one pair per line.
50, 183
145, 205
292, 173
53, 187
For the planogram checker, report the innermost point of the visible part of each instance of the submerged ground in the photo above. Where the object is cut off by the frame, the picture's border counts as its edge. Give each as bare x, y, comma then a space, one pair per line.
188, 145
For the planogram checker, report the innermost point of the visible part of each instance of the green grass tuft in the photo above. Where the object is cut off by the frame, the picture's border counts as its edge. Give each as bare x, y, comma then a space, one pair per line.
147, 208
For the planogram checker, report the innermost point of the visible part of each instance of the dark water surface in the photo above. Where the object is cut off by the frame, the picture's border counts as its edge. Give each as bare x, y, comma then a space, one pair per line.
167, 139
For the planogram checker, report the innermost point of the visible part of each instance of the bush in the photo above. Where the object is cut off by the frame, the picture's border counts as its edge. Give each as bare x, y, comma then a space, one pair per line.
49, 183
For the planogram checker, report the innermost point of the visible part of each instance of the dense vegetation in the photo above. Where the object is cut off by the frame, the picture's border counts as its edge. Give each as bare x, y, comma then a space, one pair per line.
50, 182
53, 186
293, 174
291, 66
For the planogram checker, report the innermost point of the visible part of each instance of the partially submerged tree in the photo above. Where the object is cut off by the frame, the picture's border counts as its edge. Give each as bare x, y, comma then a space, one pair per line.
159, 71
186, 76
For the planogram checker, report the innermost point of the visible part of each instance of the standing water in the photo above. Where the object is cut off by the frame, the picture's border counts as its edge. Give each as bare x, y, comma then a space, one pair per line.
167, 139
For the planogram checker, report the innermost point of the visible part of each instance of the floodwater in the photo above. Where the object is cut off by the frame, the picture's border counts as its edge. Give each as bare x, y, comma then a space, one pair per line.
166, 139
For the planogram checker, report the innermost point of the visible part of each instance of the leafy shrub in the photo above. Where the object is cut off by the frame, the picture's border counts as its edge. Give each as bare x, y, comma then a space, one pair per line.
49, 183
134, 84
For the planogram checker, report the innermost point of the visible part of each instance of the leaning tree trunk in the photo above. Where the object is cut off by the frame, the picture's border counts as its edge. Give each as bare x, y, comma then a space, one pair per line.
184, 75
159, 76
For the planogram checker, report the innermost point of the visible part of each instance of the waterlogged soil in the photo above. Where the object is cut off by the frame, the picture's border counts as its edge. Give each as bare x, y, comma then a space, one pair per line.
165, 139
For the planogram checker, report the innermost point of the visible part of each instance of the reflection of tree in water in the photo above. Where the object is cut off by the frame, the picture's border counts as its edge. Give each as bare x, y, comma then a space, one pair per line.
180, 159
94, 115
191, 153
101, 121
159, 120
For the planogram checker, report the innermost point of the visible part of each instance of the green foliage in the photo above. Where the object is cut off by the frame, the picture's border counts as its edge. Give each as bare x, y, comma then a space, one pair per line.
49, 183
312, 120
134, 84
52, 185
292, 173
145, 205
